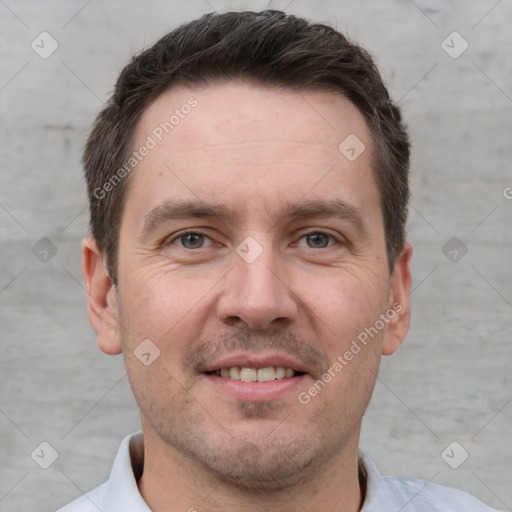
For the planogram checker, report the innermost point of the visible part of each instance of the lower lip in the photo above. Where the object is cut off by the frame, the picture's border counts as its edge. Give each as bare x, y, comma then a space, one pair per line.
256, 391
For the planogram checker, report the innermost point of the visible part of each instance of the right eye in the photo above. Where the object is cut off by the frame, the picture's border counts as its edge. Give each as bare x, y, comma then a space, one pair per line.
189, 240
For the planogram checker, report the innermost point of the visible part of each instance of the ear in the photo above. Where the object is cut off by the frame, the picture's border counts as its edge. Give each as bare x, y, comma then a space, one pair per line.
101, 298
400, 288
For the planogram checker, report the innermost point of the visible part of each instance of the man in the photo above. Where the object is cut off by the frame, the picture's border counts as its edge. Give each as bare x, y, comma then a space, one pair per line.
248, 186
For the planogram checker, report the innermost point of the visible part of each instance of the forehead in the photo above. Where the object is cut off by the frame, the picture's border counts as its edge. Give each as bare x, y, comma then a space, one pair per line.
248, 144
234, 112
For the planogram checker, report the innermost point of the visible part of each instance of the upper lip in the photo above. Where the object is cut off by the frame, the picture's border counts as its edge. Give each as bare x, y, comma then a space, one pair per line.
254, 360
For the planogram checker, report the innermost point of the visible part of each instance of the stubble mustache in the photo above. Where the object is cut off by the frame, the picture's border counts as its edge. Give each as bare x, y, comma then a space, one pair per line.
203, 353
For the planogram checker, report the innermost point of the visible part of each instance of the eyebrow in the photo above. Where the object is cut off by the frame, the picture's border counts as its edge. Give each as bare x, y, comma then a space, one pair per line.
315, 208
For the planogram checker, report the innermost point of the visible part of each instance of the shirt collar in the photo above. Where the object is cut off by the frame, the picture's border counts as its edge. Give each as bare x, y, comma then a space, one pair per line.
122, 491
379, 497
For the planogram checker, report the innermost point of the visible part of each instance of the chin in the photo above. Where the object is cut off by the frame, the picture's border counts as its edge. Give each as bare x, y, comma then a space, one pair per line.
256, 458
258, 465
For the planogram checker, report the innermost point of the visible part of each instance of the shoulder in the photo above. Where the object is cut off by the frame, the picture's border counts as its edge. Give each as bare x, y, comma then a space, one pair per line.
387, 493
426, 496
90, 502
120, 491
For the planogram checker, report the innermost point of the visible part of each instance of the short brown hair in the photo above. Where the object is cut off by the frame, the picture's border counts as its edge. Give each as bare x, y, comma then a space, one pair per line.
268, 48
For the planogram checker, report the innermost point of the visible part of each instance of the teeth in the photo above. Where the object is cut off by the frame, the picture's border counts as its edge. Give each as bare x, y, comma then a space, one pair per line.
248, 375
266, 374
255, 374
288, 372
234, 373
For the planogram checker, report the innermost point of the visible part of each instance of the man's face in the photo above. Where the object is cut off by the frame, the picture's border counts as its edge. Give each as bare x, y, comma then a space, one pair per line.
287, 273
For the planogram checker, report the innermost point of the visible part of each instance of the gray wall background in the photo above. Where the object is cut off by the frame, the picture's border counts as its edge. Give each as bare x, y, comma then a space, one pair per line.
451, 381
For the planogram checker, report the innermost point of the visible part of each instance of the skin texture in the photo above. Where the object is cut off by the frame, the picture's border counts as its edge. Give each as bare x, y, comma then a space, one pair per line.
254, 150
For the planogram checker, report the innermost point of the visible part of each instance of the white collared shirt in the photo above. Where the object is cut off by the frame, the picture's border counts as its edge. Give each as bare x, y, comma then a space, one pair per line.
383, 494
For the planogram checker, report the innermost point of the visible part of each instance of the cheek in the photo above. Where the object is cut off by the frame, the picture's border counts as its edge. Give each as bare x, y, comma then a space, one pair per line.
154, 345
344, 307
169, 312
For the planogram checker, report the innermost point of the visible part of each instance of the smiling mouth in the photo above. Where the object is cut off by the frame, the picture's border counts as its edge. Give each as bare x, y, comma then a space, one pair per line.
245, 374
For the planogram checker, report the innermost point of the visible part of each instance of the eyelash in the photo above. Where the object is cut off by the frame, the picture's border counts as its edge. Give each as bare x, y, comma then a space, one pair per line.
185, 233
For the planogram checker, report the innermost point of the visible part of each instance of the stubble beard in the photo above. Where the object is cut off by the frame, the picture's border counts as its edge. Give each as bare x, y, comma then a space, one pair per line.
278, 458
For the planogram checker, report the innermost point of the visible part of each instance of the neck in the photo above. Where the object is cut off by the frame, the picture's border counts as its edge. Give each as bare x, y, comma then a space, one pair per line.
173, 481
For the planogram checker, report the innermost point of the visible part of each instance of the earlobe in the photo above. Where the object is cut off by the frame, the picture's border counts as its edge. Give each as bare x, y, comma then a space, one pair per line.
399, 303
101, 298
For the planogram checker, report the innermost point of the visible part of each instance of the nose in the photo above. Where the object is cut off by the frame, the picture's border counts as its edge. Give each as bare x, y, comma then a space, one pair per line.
257, 294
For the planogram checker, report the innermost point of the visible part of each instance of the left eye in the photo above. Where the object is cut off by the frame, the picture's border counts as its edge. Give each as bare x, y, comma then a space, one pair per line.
317, 239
